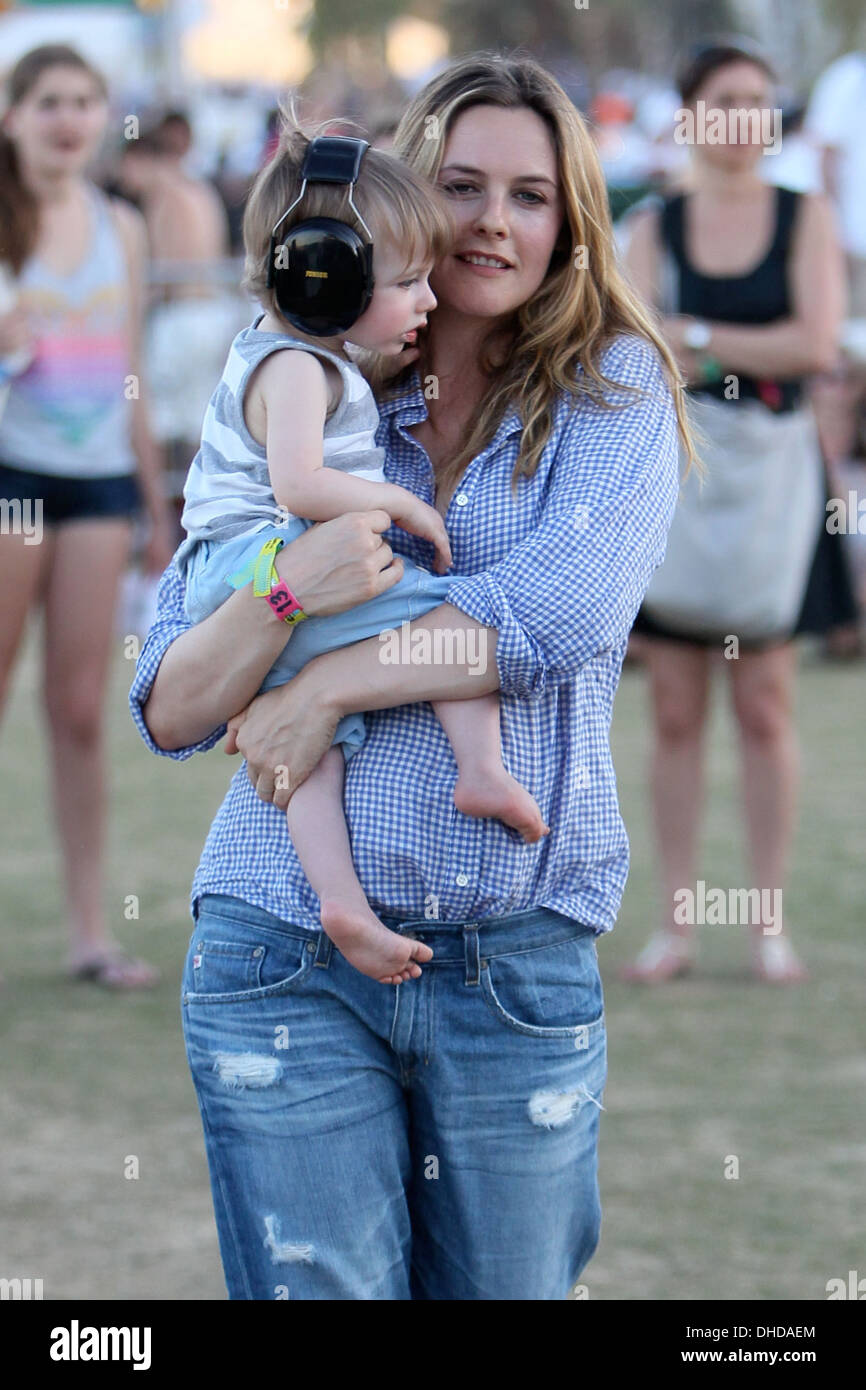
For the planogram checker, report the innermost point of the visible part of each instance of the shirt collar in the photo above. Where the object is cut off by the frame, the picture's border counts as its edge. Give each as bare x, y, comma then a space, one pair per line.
405, 406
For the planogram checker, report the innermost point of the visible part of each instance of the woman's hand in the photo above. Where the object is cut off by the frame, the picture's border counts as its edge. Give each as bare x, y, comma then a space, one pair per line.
337, 564
283, 734
673, 328
330, 567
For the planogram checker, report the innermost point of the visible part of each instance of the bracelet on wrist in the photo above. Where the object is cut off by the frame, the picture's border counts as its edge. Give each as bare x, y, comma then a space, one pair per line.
711, 369
268, 585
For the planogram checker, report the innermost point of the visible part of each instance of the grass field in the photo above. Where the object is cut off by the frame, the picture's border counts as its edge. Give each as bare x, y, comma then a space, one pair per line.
699, 1070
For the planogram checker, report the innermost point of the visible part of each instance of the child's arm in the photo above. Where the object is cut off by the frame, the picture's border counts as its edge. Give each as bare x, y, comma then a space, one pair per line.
295, 394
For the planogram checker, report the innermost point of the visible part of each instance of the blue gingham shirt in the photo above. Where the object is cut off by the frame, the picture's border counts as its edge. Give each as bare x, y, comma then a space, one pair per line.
560, 573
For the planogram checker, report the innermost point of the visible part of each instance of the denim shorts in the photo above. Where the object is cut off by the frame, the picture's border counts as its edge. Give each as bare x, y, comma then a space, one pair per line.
434, 1140
411, 597
71, 499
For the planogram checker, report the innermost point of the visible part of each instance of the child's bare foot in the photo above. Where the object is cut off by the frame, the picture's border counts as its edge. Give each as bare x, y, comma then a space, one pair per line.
368, 944
495, 793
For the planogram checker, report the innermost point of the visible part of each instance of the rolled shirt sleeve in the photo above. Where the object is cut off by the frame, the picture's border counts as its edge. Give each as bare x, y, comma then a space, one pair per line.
572, 589
169, 623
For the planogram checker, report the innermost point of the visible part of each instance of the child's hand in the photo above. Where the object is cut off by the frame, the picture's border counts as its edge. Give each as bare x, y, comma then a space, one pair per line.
419, 519
232, 730
402, 359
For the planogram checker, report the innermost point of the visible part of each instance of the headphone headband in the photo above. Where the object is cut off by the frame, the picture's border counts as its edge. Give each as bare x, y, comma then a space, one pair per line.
331, 159
334, 159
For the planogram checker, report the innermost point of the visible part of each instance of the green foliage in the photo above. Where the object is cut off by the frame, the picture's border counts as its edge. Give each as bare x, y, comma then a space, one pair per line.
849, 18
336, 19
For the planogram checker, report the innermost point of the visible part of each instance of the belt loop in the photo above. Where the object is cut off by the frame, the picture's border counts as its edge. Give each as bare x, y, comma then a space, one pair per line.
470, 942
323, 951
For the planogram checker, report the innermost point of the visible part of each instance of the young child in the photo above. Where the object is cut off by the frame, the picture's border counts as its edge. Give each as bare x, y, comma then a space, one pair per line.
288, 440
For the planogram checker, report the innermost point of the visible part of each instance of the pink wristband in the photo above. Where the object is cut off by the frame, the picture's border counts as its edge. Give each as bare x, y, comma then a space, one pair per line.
284, 604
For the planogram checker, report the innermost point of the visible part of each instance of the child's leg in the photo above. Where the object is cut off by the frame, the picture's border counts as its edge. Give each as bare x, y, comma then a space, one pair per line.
484, 788
317, 827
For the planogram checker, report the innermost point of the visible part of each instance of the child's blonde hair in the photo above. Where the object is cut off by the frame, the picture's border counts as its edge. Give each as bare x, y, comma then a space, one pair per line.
396, 203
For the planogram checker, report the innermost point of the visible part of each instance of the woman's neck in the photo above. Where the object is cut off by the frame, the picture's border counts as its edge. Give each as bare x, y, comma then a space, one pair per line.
454, 349
52, 190
725, 184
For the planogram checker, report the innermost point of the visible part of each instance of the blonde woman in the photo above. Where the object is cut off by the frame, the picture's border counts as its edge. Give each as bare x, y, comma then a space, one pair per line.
438, 1141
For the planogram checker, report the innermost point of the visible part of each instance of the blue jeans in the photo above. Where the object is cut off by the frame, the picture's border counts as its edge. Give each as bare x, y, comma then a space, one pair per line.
411, 597
436, 1140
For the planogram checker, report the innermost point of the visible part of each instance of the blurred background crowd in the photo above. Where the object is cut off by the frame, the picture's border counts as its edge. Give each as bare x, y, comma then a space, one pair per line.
194, 87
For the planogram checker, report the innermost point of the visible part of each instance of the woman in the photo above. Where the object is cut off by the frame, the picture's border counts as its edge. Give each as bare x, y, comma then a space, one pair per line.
71, 442
760, 301
438, 1141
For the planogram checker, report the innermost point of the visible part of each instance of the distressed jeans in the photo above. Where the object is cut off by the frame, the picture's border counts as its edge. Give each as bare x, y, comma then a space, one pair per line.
433, 1140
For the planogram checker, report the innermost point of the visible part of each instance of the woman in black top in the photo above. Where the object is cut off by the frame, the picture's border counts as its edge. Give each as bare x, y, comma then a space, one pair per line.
760, 299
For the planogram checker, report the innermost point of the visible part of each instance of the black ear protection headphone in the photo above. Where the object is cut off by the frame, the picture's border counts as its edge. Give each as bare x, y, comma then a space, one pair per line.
321, 272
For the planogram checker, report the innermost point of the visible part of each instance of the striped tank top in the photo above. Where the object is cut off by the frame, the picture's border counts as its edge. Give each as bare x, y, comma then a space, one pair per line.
228, 489
69, 414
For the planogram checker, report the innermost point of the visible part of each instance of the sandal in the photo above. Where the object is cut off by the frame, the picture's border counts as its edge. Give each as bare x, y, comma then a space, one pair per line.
777, 963
116, 969
664, 957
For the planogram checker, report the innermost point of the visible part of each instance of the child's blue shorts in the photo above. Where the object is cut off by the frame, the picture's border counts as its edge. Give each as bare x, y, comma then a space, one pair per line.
414, 595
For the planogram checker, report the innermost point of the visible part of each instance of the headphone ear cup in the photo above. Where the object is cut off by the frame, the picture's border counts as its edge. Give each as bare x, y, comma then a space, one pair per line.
369, 281
272, 256
326, 282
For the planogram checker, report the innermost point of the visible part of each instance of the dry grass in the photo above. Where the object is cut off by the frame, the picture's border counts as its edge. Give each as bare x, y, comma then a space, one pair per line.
699, 1070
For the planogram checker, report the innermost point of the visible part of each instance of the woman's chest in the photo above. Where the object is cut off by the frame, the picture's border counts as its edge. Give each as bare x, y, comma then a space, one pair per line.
484, 517
65, 237
729, 240
441, 447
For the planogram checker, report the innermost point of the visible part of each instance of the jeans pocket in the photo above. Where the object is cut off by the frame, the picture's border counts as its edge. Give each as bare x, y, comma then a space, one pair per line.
548, 991
233, 962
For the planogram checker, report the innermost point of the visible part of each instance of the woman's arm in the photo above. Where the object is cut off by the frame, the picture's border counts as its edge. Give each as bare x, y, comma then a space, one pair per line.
160, 541
561, 597
807, 341
804, 342
194, 678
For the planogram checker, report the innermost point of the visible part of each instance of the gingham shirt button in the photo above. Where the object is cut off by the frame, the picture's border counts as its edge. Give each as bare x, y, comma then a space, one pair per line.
461, 499
462, 880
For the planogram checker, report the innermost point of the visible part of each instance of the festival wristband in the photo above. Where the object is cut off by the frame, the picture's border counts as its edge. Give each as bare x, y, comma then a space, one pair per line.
282, 601
267, 583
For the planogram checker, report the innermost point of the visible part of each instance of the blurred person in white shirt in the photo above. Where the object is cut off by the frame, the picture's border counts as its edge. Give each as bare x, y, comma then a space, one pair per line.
836, 120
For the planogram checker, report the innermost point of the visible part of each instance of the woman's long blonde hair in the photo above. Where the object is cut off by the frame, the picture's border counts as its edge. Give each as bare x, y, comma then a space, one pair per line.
575, 312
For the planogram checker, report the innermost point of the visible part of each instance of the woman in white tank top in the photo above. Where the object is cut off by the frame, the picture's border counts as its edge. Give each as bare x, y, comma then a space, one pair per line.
76, 458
